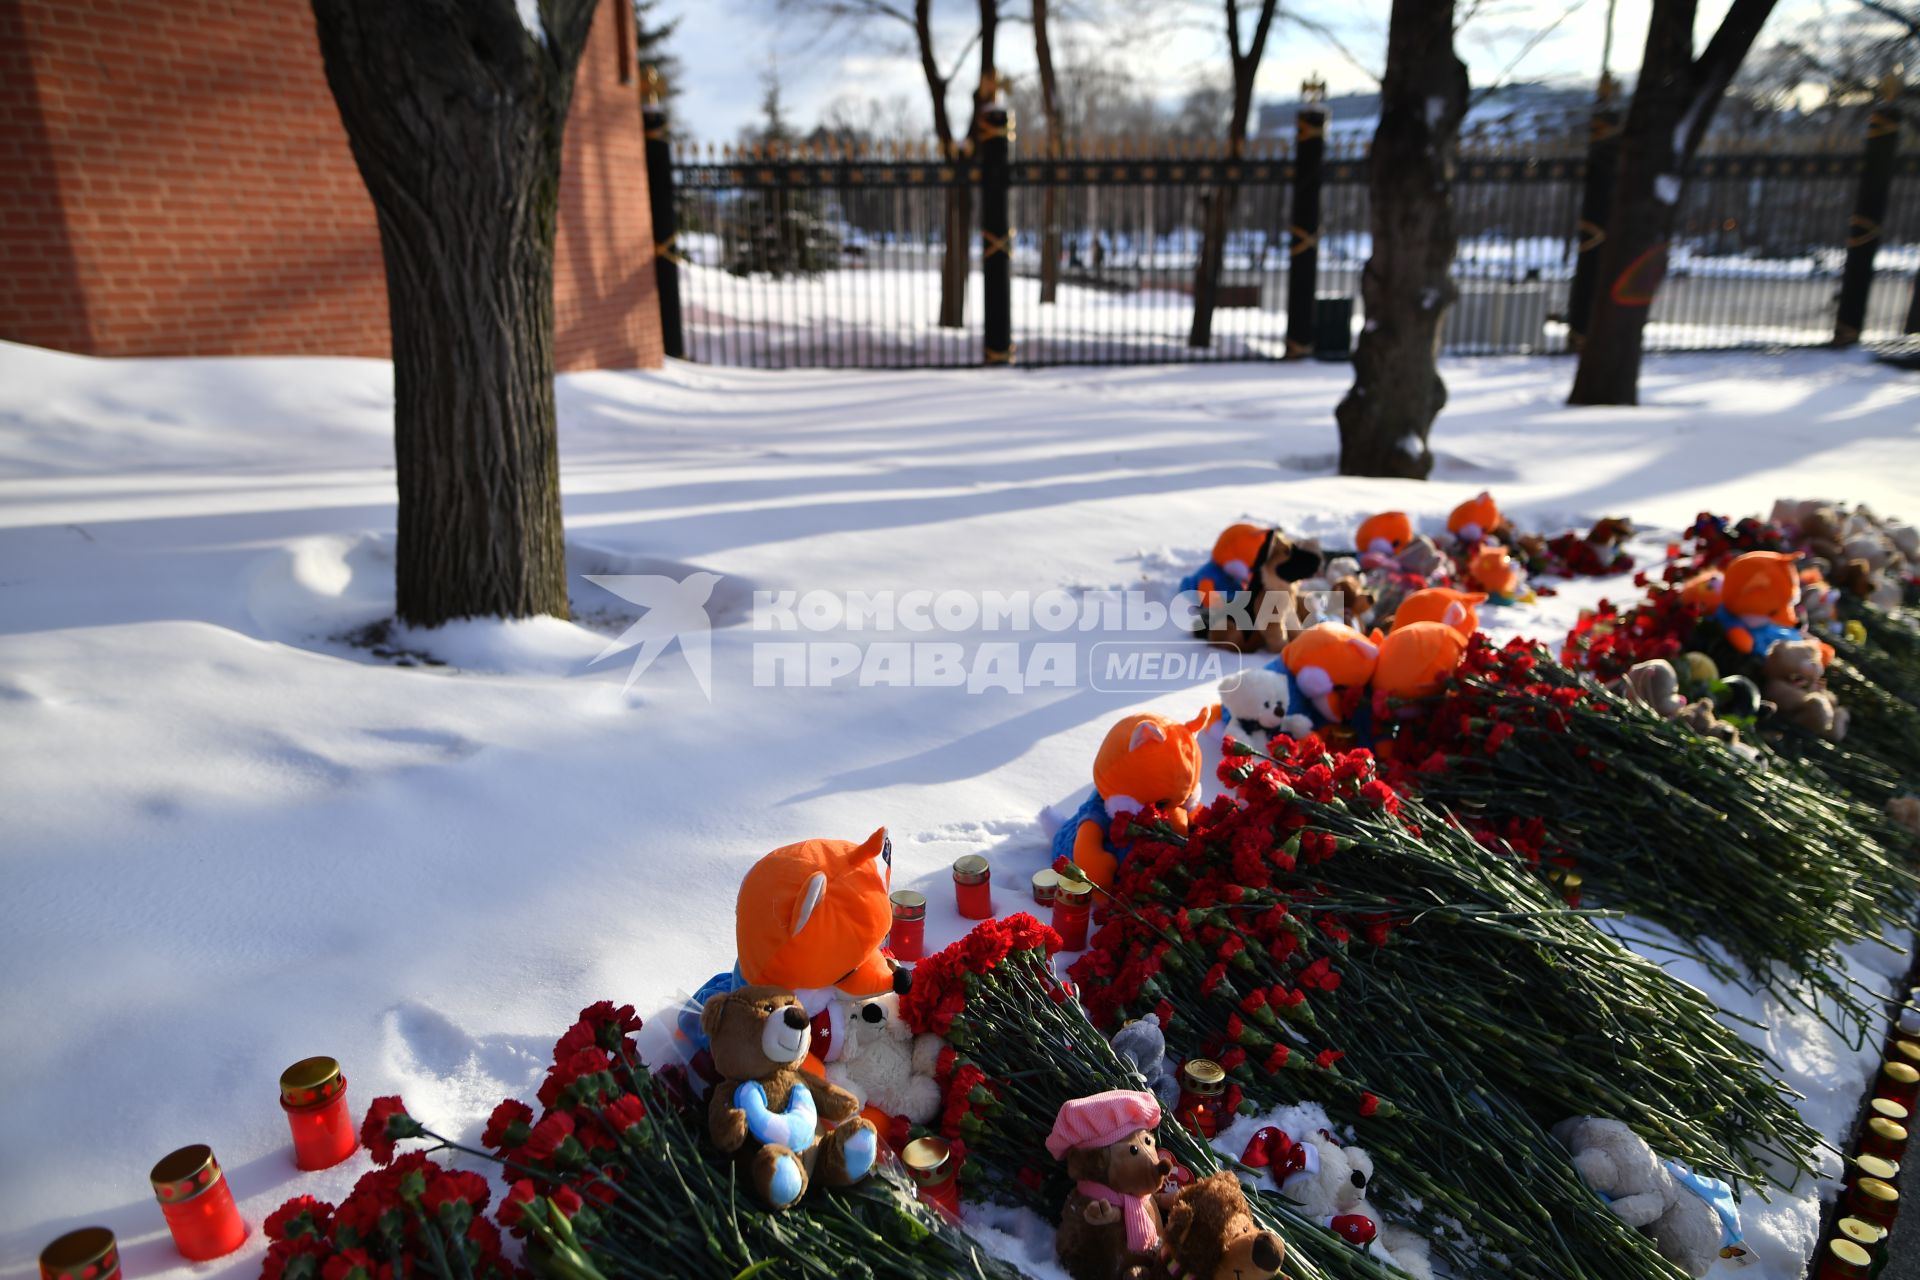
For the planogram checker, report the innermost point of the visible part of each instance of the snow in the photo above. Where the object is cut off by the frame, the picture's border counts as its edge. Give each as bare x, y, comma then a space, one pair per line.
235, 839
1666, 188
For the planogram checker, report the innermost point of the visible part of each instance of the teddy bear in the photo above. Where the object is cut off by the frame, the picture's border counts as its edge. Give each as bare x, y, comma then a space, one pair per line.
1653, 684
1796, 685
1145, 761
1329, 1182
1141, 1042
1692, 1220
766, 1111
885, 1065
1905, 810
1112, 1224
1210, 1234
1222, 587
1256, 700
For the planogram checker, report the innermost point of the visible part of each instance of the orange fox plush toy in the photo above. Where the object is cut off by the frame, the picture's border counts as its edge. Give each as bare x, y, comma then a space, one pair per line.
1442, 604
1145, 761
1475, 519
1384, 534
1756, 601
1415, 660
1493, 571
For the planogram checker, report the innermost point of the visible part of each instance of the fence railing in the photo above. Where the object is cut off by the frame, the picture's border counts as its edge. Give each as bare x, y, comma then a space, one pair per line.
836, 255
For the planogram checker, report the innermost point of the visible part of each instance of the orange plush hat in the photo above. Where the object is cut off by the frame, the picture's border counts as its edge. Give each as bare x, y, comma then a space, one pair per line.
814, 914
1442, 604
1415, 660
1144, 761
1762, 584
1493, 572
1237, 547
1384, 534
1328, 660
1474, 519
1702, 591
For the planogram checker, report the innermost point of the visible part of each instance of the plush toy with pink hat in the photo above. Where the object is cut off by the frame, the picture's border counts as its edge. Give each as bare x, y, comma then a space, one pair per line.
1112, 1224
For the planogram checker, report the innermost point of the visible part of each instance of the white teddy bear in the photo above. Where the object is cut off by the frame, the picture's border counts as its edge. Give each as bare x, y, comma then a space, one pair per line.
1333, 1185
1256, 700
885, 1065
1692, 1219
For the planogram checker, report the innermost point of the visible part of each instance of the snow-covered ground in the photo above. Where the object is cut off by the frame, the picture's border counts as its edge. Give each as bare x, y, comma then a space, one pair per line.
233, 839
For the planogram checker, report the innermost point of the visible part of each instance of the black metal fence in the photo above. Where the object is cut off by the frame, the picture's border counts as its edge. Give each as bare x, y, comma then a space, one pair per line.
833, 255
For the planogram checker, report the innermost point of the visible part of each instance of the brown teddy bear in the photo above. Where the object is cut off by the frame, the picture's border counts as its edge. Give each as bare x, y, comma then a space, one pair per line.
1211, 1235
1796, 685
1279, 611
1111, 1226
766, 1111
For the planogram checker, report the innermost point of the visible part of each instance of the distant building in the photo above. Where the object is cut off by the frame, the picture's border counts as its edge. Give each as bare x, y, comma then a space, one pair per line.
177, 182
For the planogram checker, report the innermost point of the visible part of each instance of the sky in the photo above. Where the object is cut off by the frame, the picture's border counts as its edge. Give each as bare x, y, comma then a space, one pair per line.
726, 46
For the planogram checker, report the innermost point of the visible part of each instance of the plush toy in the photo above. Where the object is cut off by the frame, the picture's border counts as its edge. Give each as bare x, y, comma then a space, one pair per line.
1692, 1219
1442, 604
1655, 685
1258, 609
1383, 536
1256, 701
1415, 660
1145, 761
1492, 570
1231, 569
1475, 520
884, 1065
766, 1110
1142, 1043
1330, 666
1905, 810
1210, 1234
811, 917
1329, 1182
1112, 1224
1757, 595
1422, 557
1796, 685
1284, 572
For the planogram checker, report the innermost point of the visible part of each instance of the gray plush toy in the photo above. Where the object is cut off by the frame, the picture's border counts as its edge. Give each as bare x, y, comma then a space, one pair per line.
1693, 1220
1142, 1043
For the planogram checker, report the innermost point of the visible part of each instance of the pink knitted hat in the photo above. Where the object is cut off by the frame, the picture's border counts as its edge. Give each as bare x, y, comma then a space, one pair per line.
1101, 1120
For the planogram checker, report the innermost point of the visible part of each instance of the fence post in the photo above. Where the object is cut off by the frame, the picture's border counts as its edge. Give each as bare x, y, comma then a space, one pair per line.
996, 237
1303, 233
1596, 206
666, 257
1869, 208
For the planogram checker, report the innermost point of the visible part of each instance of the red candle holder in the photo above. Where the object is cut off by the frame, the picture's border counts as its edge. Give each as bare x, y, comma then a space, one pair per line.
1203, 1083
313, 1093
1898, 1082
197, 1204
1072, 907
1046, 883
1873, 1201
91, 1253
1871, 1166
973, 887
1844, 1260
929, 1162
1884, 1138
908, 938
1864, 1234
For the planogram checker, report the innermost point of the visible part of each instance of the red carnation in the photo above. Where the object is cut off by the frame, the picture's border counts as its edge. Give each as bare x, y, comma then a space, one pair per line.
387, 1122
626, 1112
1368, 1104
508, 1125
1327, 1057
514, 1206
1278, 1058
455, 1186
567, 1202
302, 1215
548, 1135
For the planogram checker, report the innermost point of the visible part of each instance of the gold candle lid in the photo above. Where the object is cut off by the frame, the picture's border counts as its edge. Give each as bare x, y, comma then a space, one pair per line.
1849, 1252
970, 868
1046, 879
1875, 1189
1204, 1071
1862, 1232
923, 1156
1890, 1109
1882, 1127
1876, 1167
1073, 888
311, 1082
908, 904
87, 1254
184, 1174
1901, 1072
1909, 1050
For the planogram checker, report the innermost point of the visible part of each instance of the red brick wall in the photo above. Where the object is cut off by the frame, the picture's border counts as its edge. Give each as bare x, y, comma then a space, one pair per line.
178, 183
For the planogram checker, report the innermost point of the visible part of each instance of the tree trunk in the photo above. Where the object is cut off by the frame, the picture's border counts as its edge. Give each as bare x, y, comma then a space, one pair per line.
455, 114
1673, 104
1406, 288
1056, 137
1219, 200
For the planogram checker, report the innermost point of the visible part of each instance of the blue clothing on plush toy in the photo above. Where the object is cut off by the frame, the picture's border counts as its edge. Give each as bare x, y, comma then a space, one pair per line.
1092, 809
1765, 635
1719, 1198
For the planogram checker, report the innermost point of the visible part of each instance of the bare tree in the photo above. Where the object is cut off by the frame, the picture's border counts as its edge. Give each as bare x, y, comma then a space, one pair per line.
1056, 137
1406, 287
1673, 106
455, 111
1220, 197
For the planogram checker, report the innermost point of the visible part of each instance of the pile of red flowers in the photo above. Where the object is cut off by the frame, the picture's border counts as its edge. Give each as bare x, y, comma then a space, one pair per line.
412, 1217
1717, 540
1573, 555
